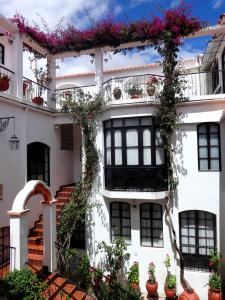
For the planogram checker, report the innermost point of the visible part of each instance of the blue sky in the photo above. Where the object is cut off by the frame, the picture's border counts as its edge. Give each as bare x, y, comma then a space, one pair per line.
79, 12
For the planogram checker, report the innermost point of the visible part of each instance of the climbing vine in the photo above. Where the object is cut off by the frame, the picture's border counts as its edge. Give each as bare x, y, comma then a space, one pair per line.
84, 109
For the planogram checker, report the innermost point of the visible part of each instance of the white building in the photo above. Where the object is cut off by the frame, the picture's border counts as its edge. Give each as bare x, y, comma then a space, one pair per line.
132, 173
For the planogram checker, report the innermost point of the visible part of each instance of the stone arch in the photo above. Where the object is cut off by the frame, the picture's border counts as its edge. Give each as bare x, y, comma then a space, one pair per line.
19, 227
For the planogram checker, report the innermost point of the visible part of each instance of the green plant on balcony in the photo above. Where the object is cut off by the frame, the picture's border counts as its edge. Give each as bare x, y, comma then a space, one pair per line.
134, 91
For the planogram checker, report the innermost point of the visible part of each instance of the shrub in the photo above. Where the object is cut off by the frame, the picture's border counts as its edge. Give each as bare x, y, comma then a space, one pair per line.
171, 281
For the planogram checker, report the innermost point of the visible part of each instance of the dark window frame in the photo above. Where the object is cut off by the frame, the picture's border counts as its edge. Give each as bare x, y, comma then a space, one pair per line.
157, 170
151, 219
196, 261
120, 217
207, 124
2, 50
215, 75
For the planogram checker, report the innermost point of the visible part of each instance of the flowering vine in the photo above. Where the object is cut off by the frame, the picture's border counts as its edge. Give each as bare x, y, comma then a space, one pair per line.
110, 33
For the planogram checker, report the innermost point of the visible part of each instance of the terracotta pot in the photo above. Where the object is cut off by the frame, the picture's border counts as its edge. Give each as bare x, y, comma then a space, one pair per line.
214, 294
38, 100
135, 96
170, 293
134, 286
117, 93
186, 295
4, 85
151, 288
150, 90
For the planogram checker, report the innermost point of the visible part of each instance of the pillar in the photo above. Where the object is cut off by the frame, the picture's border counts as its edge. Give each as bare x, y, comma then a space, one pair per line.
17, 63
51, 65
98, 70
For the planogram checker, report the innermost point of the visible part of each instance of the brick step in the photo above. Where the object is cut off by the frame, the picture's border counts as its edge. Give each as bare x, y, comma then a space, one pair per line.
68, 188
35, 240
62, 199
36, 232
79, 295
35, 249
63, 194
39, 224
35, 259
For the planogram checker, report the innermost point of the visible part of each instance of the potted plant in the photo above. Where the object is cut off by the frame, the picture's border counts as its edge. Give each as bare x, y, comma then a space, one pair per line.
151, 85
151, 284
170, 284
215, 282
134, 91
133, 277
4, 82
117, 93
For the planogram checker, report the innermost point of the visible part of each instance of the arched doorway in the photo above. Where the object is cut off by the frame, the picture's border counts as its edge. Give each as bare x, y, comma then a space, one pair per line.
38, 162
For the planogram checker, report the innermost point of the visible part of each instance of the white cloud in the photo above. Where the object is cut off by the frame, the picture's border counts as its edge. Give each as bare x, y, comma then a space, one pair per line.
53, 10
174, 3
217, 3
135, 3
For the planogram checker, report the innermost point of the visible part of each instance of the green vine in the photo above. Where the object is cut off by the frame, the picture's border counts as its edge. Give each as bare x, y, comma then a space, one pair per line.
84, 109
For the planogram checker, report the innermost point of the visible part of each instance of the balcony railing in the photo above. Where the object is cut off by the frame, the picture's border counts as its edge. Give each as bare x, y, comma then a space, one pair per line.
142, 179
32, 90
10, 74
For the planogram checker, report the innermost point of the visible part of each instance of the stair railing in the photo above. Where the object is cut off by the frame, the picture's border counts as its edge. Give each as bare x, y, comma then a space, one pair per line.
7, 257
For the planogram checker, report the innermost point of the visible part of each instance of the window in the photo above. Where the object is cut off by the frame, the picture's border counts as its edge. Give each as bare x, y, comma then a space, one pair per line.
120, 221
151, 225
2, 54
197, 238
66, 136
208, 147
134, 155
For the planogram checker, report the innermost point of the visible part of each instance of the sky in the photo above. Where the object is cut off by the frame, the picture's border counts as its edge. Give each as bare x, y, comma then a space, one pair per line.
81, 13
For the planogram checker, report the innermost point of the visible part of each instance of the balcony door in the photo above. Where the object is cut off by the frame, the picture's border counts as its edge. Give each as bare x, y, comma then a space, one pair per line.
38, 162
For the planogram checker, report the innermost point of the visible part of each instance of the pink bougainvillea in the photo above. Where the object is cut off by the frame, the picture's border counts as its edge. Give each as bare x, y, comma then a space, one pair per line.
174, 24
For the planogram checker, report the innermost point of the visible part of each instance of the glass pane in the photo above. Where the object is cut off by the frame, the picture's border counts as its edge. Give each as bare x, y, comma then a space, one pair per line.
214, 141
146, 223
146, 137
146, 121
118, 157
147, 156
117, 138
159, 156
215, 164
213, 128
132, 157
131, 137
203, 164
202, 129
202, 140
156, 224
117, 123
146, 242
115, 222
203, 152
126, 222
108, 156
158, 140
132, 122
108, 139
108, 124
157, 243
214, 152
126, 231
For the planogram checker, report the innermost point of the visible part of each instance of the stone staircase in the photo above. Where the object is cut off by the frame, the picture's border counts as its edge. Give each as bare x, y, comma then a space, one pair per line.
59, 288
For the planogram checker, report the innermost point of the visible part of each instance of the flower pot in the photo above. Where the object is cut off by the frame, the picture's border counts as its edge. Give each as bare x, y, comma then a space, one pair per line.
170, 293
150, 90
38, 100
151, 288
117, 93
214, 294
134, 286
188, 295
135, 96
4, 85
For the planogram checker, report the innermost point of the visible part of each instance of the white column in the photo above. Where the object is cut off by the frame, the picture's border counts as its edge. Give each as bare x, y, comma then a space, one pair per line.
98, 70
17, 62
49, 234
51, 64
18, 240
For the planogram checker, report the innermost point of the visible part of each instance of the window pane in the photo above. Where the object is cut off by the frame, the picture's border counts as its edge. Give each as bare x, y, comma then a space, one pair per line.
202, 140
132, 157
214, 141
117, 138
214, 151
215, 165
132, 122
158, 140
159, 156
118, 157
108, 156
203, 152
108, 139
131, 137
202, 129
146, 137
213, 128
147, 156
117, 122
146, 121
203, 164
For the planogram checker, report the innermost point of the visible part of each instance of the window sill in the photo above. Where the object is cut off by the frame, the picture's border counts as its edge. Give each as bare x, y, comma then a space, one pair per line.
135, 195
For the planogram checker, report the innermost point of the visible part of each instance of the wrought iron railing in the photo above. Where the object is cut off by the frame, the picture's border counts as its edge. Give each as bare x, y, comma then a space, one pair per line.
33, 90
7, 258
10, 75
142, 179
103, 287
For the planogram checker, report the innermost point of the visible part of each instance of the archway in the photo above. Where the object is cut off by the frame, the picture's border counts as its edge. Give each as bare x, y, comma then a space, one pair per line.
38, 162
19, 227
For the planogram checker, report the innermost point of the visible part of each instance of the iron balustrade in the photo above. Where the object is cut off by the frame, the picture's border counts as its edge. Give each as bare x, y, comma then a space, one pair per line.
10, 74
32, 89
142, 179
7, 258
106, 289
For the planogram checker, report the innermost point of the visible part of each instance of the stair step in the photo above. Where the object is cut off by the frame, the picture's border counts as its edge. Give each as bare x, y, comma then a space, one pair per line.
63, 194
35, 240
69, 288
79, 295
68, 188
36, 232
35, 259
39, 224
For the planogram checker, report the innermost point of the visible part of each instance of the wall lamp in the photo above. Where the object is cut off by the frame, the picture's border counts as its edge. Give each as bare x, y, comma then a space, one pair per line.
14, 142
